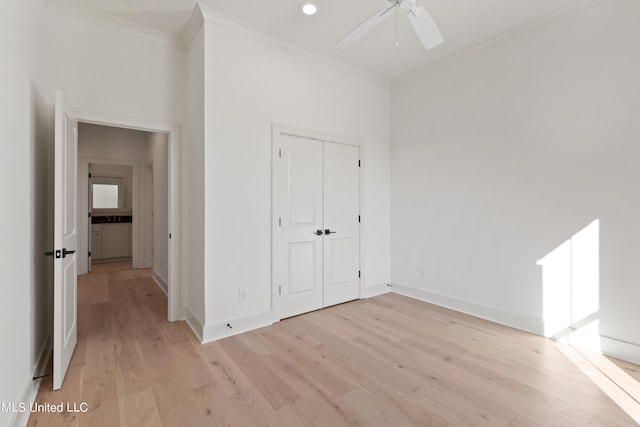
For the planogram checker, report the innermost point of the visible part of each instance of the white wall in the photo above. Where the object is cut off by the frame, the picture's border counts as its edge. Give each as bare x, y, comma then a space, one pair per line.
23, 187
501, 155
103, 70
157, 152
193, 187
250, 83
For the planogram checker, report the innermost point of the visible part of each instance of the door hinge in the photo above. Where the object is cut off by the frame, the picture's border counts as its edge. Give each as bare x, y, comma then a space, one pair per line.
358, 273
279, 221
279, 290
89, 214
89, 254
169, 235
358, 218
89, 175
280, 153
358, 163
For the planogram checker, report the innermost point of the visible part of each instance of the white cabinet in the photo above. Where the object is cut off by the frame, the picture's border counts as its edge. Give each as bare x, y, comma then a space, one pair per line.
110, 241
96, 242
116, 240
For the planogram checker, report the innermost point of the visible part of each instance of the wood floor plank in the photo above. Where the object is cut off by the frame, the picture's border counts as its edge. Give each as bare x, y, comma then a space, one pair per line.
154, 350
191, 366
226, 372
375, 410
389, 360
324, 413
311, 389
630, 368
366, 367
100, 355
260, 373
213, 407
141, 409
102, 399
175, 402
131, 372
309, 361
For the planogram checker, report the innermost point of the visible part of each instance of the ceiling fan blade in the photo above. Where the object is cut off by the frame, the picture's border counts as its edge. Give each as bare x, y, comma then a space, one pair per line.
364, 28
425, 27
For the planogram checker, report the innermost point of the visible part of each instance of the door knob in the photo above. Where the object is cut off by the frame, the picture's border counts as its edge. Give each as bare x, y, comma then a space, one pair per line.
327, 231
56, 254
65, 252
318, 233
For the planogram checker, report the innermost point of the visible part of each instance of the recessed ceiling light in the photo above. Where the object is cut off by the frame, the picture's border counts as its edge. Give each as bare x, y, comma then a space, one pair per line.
309, 9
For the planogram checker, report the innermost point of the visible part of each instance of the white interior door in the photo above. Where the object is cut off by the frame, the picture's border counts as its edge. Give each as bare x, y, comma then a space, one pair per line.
65, 243
341, 223
316, 250
298, 247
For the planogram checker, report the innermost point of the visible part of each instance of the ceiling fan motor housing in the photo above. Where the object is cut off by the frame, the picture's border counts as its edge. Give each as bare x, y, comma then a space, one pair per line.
423, 24
407, 4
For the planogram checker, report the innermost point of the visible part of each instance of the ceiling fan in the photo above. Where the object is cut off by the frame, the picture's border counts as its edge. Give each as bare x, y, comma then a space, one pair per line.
423, 24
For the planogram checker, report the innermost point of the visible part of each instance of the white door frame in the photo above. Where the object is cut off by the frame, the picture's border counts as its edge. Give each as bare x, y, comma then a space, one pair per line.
172, 130
148, 213
276, 130
84, 200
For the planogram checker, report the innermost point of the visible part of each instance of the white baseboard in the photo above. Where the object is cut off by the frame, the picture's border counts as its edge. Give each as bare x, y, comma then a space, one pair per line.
620, 349
194, 323
375, 290
610, 346
31, 387
161, 282
525, 323
237, 326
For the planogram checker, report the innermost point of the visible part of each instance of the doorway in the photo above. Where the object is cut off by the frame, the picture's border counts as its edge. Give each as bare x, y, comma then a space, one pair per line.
166, 170
68, 220
113, 161
110, 213
316, 228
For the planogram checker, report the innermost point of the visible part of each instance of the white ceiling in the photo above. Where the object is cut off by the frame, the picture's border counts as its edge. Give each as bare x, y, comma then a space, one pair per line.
463, 23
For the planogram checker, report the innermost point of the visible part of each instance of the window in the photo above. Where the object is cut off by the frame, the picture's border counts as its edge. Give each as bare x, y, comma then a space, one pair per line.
106, 196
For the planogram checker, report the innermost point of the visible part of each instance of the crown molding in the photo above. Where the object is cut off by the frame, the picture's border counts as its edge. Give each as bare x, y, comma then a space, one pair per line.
203, 13
510, 34
193, 25
73, 9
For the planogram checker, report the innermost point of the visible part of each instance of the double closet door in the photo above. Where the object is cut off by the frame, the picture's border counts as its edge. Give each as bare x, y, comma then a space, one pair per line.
316, 203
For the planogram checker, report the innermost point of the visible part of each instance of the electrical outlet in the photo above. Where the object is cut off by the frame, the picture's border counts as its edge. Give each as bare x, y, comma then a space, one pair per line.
242, 295
423, 272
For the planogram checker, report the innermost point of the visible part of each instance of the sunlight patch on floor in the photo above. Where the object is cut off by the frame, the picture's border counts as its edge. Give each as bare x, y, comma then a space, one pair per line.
621, 388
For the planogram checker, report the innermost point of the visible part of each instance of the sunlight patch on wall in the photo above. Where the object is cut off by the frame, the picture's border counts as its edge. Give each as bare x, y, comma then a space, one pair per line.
571, 289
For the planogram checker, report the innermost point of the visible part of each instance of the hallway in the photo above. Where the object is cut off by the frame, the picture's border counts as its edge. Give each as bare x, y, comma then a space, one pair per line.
123, 336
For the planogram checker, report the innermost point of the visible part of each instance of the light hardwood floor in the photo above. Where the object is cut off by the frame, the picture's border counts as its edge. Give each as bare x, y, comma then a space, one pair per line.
384, 361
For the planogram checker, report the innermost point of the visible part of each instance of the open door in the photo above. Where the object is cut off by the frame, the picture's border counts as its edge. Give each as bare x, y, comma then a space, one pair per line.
65, 242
